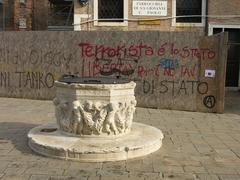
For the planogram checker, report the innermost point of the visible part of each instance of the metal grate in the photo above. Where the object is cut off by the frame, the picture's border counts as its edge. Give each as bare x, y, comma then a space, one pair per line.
186, 7
110, 9
60, 13
69, 79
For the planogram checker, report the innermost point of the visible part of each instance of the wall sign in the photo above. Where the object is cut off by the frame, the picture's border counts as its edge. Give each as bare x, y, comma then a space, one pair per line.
210, 73
22, 23
149, 8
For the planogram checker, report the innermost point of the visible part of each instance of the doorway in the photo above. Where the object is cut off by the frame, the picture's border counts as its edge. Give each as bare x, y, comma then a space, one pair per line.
233, 59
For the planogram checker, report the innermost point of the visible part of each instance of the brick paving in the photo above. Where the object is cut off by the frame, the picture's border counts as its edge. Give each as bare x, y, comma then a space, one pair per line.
197, 146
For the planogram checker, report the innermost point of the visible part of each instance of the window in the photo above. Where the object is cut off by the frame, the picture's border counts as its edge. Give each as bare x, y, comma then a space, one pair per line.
189, 8
110, 12
60, 15
110, 9
186, 7
6, 15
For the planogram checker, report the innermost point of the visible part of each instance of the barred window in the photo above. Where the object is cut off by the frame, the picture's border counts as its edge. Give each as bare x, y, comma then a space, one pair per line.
60, 14
188, 8
110, 9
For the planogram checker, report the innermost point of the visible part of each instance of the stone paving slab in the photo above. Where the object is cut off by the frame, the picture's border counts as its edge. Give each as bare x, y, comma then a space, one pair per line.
197, 146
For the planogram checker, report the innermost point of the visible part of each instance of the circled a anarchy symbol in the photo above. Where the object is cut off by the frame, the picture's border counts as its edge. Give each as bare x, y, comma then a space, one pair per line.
209, 101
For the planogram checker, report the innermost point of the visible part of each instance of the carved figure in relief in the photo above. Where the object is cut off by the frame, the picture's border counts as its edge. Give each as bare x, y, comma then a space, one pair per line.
129, 114
120, 116
99, 117
76, 118
87, 115
62, 114
91, 117
110, 119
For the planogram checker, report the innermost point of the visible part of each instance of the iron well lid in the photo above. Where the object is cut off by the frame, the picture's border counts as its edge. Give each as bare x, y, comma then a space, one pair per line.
69, 79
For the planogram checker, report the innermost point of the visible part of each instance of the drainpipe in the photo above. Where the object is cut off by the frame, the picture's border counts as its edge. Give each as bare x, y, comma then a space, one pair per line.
206, 18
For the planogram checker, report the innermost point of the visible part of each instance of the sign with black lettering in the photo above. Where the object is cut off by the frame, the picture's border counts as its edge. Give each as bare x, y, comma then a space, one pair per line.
149, 8
22, 23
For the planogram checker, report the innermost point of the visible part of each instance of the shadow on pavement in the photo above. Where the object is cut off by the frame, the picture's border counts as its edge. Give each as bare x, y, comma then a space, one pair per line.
232, 102
16, 133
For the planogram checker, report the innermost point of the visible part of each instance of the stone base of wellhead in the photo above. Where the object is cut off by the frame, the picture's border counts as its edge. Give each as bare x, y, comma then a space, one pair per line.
47, 140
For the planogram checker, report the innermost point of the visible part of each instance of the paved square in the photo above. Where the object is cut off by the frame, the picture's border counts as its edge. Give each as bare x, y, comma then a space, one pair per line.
197, 146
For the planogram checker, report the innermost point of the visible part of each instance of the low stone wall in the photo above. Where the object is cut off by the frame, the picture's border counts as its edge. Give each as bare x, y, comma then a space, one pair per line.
181, 71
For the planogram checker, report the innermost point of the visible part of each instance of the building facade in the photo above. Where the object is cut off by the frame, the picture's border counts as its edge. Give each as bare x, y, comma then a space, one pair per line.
16, 15
139, 15
6, 15
225, 17
20, 15
206, 17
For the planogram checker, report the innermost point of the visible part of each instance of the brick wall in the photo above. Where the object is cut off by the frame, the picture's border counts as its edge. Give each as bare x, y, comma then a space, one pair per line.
223, 7
215, 7
163, 25
23, 12
40, 15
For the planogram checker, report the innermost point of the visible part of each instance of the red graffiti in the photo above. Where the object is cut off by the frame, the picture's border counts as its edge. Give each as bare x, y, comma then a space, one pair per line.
144, 71
169, 72
186, 51
189, 72
101, 51
96, 68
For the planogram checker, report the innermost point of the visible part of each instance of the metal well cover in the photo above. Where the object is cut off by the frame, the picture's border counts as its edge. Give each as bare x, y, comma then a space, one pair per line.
69, 79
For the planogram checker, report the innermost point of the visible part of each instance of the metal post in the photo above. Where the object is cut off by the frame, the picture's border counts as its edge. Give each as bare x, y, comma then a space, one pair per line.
206, 18
70, 13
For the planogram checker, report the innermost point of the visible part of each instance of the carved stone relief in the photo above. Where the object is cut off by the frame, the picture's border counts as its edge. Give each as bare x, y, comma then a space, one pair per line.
94, 117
